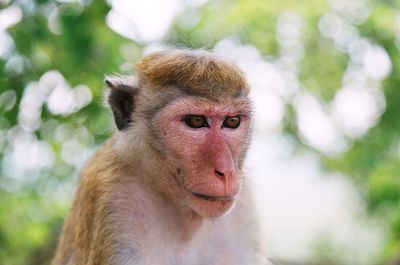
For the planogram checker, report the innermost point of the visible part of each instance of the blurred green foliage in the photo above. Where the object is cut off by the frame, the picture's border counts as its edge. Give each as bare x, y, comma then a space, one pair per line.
33, 205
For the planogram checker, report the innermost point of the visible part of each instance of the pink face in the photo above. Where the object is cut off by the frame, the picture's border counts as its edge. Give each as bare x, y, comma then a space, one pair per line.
205, 142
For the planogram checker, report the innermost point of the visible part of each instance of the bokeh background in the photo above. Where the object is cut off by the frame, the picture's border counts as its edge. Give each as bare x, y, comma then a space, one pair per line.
325, 74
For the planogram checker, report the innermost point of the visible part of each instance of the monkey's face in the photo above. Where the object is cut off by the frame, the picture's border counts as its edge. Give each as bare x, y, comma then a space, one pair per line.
205, 144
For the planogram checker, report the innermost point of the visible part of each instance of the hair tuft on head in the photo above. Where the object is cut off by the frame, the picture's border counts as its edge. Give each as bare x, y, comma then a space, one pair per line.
194, 71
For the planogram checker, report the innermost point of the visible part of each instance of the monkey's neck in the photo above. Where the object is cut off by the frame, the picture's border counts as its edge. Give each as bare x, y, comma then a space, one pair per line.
190, 225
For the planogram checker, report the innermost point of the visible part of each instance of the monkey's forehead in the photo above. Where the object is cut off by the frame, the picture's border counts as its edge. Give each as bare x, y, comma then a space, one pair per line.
202, 105
195, 72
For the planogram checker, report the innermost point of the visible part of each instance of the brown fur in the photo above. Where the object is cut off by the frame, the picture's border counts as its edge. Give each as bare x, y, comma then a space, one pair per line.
132, 206
196, 72
88, 212
91, 236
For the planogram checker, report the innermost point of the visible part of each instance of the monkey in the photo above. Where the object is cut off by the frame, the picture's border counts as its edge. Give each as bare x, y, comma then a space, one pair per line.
168, 187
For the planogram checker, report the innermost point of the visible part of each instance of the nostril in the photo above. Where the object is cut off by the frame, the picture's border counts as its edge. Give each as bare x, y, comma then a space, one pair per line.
219, 174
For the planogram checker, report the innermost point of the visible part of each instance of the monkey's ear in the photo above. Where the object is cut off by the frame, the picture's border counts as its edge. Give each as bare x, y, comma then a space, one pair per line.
122, 99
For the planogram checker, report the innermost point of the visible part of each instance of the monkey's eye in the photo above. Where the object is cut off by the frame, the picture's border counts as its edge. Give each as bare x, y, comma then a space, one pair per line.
195, 121
231, 122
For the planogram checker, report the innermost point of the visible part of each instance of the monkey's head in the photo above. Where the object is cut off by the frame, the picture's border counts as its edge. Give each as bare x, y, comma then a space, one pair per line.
185, 116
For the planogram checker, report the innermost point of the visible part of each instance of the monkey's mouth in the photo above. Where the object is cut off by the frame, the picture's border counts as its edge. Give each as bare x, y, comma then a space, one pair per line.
213, 198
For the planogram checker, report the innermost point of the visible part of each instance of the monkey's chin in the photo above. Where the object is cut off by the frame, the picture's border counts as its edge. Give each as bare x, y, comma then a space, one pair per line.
211, 206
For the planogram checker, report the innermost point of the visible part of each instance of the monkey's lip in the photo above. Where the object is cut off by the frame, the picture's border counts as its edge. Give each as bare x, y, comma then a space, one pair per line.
213, 198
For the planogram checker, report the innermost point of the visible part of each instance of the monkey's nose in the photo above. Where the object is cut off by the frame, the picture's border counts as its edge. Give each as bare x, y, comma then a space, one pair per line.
225, 174
219, 173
